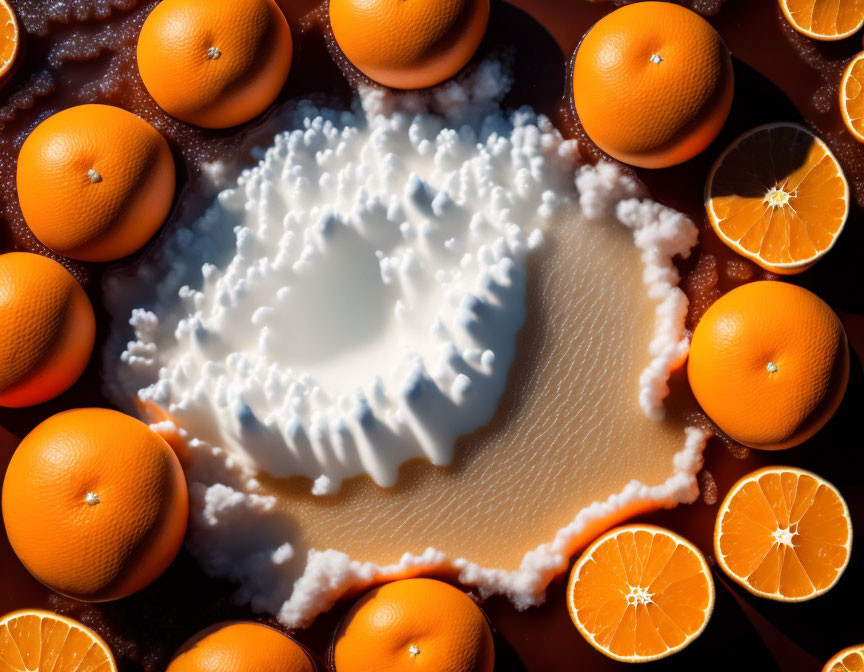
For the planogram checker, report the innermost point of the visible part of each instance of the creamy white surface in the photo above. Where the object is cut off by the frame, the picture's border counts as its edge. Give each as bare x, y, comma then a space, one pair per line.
223, 269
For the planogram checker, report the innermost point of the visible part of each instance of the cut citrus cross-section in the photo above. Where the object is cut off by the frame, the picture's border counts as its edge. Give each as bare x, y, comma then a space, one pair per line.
783, 533
640, 593
778, 196
33, 640
824, 19
852, 97
850, 659
9, 39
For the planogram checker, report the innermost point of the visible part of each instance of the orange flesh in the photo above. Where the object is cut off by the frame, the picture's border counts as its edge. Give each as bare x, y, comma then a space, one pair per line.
39, 640
641, 594
779, 197
848, 660
852, 97
563, 437
785, 535
8, 38
829, 19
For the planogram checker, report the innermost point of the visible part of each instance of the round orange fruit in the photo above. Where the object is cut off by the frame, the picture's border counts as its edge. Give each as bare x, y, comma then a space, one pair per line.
217, 63
852, 96
769, 363
827, 20
783, 533
652, 84
778, 196
95, 182
640, 593
850, 659
47, 329
418, 624
10, 40
409, 45
33, 640
95, 504
240, 647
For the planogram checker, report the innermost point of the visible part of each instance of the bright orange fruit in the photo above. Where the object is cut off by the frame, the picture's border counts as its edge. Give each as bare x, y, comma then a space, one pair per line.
652, 84
418, 624
32, 640
95, 504
850, 659
824, 19
47, 329
778, 196
409, 45
783, 533
241, 647
95, 182
10, 40
852, 97
640, 593
769, 364
217, 63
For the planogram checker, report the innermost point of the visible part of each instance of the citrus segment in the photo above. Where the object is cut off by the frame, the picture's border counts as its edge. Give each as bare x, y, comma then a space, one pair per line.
850, 659
824, 19
421, 624
9, 39
47, 329
652, 84
95, 182
33, 640
783, 533
778, 196
104, 488
640, 593
409, 45
769, 363
852, 97
215, 64
250, 647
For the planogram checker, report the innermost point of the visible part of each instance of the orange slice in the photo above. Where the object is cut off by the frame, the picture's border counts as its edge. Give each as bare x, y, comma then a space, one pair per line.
9, 39
783, 533
33, 640
824, 19
778, 196
852, 97
640, 593
850, 659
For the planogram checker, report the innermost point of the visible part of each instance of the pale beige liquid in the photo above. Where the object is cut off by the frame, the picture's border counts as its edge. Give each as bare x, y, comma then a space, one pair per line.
568, 432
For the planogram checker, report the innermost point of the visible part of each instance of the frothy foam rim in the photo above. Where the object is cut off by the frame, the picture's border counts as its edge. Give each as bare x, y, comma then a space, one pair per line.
661, 233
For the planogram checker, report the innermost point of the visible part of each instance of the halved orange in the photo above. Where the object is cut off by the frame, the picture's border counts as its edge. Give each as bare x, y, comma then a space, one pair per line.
783, 533
852, 97
850, 659
9, 39
640, 593
32, 640
778, 196
824, 19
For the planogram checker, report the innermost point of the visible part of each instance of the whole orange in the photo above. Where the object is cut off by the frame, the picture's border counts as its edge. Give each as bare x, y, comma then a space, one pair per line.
47, 329
418, 624
652, 84
95, 182
240, 647
409, 45
217, 63
769, 363
95, 504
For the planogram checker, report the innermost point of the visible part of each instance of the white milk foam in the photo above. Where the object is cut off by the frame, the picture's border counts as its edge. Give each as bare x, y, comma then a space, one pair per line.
353, 302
